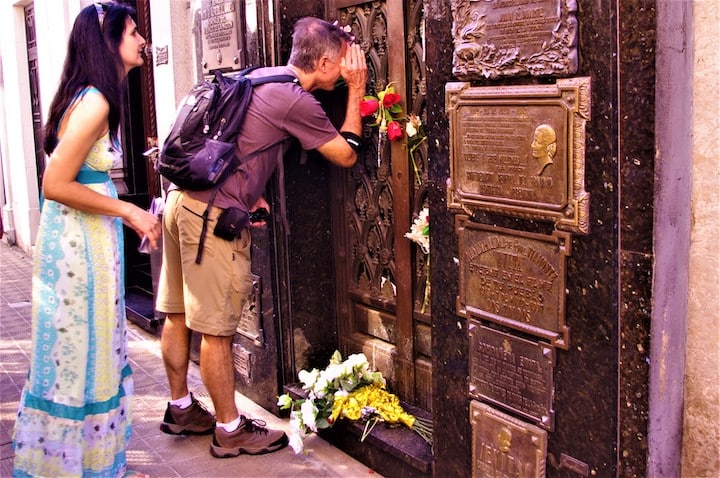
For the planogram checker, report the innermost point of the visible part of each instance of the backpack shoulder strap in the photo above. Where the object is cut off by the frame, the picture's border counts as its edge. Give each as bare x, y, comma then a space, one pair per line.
273, 79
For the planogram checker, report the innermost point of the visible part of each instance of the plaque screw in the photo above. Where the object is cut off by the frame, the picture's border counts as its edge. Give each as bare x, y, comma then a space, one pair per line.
218, 57
236, 60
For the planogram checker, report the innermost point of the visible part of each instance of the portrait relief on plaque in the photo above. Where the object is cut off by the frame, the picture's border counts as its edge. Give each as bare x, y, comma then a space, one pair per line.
502, 38
514, 278
219, 33
520, 150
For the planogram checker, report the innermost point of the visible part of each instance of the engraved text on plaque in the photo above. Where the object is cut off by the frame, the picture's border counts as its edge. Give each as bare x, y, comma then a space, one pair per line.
514, 278
505, 447
219, 35
513, 373
520, 150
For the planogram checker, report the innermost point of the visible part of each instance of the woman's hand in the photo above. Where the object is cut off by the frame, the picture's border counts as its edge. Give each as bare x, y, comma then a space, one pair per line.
143, 223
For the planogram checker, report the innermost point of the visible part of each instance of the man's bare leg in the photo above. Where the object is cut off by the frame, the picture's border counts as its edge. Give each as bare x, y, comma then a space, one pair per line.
218, 374
175, 344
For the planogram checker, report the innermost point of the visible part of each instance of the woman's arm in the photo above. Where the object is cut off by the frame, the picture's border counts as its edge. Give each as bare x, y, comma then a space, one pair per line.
82, 126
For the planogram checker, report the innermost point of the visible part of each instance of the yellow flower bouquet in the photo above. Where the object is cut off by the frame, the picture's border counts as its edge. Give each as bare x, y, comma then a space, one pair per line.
346, 389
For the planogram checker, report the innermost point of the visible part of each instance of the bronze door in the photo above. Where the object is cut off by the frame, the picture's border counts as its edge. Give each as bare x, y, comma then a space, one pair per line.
381, 275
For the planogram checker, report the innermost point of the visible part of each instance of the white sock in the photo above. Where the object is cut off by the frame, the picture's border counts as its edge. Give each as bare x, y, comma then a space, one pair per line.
183, 402
229, 427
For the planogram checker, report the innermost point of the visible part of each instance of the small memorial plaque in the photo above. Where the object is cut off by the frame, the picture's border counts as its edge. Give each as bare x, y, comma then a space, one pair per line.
505, 447
161, 55
241, 360
250, 323
512, 373
219, 25
502, 38
520, 150
514, 278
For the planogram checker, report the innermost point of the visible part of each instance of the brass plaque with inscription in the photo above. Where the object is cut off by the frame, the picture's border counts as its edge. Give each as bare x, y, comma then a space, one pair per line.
242, 360
512, 373
505, 447
220, 44
514, 278
520, 150
250, 323
502, 38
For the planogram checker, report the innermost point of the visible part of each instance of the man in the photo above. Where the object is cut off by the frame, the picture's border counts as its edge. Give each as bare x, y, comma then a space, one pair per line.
208, 297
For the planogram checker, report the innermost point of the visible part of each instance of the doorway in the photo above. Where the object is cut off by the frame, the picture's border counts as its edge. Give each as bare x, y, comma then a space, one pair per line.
138, 181
381, 276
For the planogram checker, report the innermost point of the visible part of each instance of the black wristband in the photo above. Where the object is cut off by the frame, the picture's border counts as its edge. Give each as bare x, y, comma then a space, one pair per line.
355, 141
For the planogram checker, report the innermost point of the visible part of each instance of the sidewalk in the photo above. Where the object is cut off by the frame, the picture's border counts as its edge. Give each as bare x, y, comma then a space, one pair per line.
150, 450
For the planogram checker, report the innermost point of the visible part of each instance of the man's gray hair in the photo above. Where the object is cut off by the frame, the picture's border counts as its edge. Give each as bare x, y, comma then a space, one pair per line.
314, 38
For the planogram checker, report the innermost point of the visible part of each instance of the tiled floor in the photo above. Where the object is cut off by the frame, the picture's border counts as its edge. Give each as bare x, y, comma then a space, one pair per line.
150, 450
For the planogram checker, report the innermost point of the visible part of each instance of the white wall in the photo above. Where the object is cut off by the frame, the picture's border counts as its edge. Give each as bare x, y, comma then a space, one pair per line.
701, 424
20, 213
172, 26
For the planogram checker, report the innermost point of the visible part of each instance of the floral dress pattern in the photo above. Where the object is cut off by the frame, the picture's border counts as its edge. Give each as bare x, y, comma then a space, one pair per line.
73, 418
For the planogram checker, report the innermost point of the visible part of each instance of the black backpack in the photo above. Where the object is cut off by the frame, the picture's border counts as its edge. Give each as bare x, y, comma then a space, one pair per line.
199, 152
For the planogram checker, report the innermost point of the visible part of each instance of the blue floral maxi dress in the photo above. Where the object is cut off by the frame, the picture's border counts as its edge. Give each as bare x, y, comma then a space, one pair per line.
73, 418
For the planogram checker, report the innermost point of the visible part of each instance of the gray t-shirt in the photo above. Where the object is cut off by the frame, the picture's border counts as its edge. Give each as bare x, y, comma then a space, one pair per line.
277, 112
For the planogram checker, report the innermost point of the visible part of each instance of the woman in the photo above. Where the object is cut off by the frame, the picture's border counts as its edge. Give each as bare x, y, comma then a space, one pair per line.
73, 418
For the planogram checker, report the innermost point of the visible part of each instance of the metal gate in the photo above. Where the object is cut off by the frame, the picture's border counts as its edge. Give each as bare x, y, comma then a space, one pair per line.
381, 275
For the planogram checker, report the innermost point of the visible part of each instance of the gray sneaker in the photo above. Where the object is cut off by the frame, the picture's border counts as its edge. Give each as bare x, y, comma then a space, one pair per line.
251, 438
193, 420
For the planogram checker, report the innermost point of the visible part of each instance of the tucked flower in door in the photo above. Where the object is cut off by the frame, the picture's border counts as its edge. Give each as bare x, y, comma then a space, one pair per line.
369, 107
386, 109
394, 130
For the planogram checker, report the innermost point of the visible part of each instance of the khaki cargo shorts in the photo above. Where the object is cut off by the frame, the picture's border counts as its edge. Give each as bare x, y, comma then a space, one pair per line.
212, 293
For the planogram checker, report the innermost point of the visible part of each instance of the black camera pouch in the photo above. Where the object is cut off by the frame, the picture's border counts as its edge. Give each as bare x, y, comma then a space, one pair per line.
230, 223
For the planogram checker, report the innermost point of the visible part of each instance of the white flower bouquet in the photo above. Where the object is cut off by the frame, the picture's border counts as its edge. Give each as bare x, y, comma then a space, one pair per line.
345, 389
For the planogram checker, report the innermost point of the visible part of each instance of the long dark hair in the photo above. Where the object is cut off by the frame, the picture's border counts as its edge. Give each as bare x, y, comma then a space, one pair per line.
93, 59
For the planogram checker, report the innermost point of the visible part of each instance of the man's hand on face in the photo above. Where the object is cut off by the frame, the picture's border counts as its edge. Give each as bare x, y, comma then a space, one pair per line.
353, 68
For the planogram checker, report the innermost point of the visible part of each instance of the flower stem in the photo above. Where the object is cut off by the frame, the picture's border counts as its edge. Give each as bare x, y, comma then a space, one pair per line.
424, 428
412, 158
426, 298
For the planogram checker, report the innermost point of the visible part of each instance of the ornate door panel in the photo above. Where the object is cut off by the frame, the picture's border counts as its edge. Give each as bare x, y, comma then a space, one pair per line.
381, 275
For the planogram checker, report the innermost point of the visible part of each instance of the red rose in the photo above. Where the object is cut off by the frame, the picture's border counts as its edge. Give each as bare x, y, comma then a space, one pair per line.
390, 99
394, 130
368, 107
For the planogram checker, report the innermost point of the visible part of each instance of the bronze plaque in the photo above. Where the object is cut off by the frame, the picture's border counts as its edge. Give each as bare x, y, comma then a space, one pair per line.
241, 360
514, 278
512, 373
520, 150
505, 447
220, 45
250, 323
501, 38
